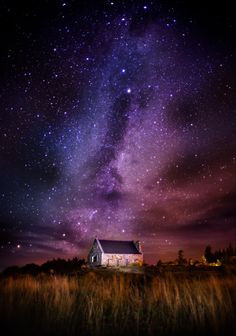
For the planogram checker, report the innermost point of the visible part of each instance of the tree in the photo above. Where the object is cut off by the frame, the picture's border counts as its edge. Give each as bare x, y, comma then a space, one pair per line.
181, 260
208, 254
159, 263
230, 251
31, 269
12, 271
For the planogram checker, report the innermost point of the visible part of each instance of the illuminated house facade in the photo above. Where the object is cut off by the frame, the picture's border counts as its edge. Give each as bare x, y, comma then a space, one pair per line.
115, 253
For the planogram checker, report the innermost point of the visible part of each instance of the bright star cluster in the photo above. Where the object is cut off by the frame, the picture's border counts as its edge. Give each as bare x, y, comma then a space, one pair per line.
117, 121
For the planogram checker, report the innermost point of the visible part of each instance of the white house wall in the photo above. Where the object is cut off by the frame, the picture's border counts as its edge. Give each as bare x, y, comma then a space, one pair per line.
120, 259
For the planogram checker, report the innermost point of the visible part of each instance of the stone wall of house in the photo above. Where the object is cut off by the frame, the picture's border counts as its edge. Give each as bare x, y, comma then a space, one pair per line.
121, 259
95, 255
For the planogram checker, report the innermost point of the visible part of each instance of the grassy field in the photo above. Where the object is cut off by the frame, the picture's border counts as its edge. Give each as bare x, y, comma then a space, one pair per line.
114, 303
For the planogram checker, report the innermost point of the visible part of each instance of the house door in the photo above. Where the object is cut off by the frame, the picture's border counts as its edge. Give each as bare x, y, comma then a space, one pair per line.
94, 258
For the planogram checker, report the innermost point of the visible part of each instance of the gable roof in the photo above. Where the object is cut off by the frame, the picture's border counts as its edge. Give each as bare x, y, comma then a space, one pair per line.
118, 246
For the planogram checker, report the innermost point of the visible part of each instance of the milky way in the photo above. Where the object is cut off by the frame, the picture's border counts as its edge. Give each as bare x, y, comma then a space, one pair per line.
117, 121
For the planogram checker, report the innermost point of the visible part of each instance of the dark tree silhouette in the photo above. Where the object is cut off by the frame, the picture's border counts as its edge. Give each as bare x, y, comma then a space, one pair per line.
224, 255
32, 269
55, 266
181, 260
230, 251
159, 263
208, 254
11, 271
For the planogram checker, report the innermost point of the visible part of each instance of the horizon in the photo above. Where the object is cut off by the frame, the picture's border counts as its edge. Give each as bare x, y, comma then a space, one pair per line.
149, 261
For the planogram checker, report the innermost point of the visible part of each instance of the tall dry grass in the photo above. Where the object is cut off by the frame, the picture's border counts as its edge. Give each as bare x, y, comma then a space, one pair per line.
117, 304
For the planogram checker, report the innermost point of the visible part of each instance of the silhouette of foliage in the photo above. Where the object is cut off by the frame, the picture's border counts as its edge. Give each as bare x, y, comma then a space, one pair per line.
208, 254
55, 266
181, 260
224, 255
11, 271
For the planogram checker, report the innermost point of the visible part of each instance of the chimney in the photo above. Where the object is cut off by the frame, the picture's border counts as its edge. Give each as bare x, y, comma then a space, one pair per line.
138, 246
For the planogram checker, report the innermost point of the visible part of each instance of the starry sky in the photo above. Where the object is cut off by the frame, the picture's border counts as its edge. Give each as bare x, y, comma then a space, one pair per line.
117, 120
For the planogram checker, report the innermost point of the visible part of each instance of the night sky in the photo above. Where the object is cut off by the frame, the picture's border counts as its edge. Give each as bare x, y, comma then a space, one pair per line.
117, 121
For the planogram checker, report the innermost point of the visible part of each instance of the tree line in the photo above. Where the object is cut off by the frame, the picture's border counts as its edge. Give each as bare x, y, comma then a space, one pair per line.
55, 266
62, 266
224, 255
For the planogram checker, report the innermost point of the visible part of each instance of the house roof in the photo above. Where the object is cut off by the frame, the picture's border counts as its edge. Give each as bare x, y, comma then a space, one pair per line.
118, 246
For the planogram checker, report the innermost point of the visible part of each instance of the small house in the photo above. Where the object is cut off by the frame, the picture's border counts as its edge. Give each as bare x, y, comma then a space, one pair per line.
115, 253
